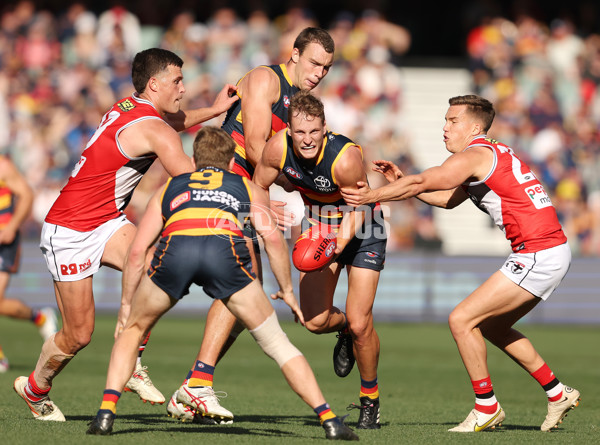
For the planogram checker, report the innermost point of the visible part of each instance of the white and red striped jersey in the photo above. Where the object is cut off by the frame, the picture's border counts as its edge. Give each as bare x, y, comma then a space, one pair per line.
102, 182
516, 201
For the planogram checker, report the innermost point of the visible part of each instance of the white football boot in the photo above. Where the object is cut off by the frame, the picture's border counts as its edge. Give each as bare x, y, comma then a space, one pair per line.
45, 409
205, 401
557, 411
140, 383
477, 421
178, 410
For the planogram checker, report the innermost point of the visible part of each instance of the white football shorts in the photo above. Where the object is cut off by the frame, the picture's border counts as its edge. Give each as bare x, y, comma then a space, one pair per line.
540, 272
71, 255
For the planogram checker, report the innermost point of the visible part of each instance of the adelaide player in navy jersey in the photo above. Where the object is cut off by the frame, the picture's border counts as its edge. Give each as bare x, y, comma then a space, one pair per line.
261, 111
317, 162
198, 219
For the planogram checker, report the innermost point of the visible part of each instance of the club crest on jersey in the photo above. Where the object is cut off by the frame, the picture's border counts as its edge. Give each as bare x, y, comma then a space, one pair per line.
515, 267
180, 199
293, 173
286, 101
126, 105
538, 196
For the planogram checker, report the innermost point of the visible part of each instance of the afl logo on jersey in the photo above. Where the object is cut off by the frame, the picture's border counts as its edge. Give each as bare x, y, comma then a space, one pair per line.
286, 101
293, 173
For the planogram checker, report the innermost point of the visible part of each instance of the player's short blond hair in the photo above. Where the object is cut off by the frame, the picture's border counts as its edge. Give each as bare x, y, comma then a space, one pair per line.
213, 147
303, 102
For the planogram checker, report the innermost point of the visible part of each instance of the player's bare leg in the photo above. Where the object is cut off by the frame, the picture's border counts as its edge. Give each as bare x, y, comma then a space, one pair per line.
492, 308
362, 287
496, 297
11, 307
76, 304
253, 309
316, 300
148, 305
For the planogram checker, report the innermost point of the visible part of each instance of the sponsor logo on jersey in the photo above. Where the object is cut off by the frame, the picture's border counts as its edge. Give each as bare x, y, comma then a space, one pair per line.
322, 183
538, 196
286, 101
515, 267
74, 268
366, 260
126, 105
178, 200
293, 173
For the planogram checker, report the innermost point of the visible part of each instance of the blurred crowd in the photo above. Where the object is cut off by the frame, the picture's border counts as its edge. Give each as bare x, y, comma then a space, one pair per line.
59, 73
544, 81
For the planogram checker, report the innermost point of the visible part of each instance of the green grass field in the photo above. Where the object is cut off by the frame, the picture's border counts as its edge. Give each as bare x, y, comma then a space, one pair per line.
424, 388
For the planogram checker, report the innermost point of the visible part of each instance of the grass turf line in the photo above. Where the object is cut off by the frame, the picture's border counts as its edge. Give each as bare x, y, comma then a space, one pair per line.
424, 388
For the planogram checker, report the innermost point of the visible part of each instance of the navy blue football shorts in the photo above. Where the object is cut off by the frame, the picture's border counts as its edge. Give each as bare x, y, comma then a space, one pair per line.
220, 264
367, 249
10, 255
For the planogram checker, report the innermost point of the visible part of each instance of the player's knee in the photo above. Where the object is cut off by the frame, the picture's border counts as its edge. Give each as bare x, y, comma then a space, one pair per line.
360, 329
457, 323
273, 341
316, 326
76, 341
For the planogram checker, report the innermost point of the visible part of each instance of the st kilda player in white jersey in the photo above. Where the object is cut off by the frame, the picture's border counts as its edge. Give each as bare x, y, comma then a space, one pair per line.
496, 180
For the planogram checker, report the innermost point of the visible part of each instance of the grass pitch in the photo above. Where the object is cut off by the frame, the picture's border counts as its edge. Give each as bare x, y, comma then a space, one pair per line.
424, 388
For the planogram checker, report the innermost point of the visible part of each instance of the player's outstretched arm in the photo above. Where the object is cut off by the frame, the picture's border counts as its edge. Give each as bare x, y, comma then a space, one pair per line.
185, 119
388, 169
276, 248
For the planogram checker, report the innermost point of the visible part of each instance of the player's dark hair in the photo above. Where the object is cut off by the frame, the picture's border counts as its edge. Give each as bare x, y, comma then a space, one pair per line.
477, 106
305, 103
149, 63
213, 147
314, 35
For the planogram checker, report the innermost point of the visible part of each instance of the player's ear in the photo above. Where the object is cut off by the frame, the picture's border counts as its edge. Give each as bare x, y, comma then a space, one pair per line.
152, 84
231, 164
193, 163
289, 130
295, 55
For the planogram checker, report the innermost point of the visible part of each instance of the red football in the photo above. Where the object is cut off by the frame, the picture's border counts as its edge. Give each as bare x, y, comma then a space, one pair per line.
314, 248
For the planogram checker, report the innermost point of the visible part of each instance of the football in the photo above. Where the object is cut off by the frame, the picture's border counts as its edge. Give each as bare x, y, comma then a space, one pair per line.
314, 248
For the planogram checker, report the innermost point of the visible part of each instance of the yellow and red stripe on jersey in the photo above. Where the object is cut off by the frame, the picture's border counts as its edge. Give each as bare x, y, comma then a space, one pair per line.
202, 222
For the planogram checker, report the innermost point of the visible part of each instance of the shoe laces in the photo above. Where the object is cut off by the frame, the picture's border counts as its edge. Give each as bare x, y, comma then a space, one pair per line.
367, 408
142, 373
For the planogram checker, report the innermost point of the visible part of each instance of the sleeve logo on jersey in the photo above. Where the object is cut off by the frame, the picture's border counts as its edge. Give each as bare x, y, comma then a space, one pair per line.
293, 173
78, 166
178, 200
126, 105
538, 196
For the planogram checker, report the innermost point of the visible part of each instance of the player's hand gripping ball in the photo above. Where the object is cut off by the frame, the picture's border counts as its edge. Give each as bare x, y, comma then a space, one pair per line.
314, 248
